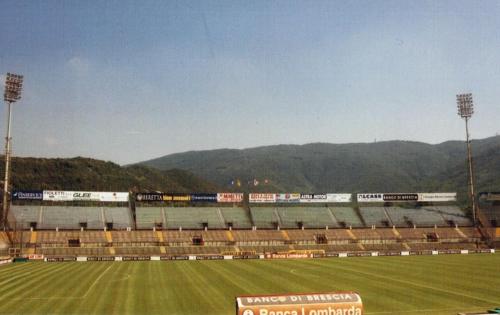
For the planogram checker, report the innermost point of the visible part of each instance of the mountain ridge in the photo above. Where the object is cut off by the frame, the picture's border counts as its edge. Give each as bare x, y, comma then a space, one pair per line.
90, 174
386, 166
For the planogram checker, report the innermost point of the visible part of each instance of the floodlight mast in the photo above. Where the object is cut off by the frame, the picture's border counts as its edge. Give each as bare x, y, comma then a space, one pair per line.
465, 107
12, 93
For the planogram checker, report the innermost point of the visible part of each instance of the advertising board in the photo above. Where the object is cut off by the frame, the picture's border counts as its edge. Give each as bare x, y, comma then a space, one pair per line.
204, 197
402, 197
262, 198
60, 195
176, 197
437, 197
27, 195
301, 304
287, 197
149, 197
229, 197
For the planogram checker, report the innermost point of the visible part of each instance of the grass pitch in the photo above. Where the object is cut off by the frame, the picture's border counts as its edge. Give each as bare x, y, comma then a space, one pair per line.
413, 285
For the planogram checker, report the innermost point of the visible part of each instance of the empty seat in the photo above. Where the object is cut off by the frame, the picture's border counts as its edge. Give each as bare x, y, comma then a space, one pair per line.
309, 217
264, 217
239, 217
346, 215
149, 217
194, 218
375, 216
119, 216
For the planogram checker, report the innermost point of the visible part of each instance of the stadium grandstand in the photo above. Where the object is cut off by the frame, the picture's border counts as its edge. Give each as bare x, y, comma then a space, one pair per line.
135, 226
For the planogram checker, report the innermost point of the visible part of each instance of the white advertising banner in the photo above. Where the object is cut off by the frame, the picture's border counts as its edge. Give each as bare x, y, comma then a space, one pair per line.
370, 197
324, 198
60, 195
261, 198
113, 196
229, 197
402, 197
437, 197
338, 197
288, 197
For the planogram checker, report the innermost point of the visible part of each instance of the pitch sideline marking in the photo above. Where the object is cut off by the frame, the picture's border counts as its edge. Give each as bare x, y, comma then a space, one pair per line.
95, 282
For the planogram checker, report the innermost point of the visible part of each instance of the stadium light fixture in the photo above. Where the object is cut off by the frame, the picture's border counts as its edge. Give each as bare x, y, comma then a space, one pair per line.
465, 107
12, 93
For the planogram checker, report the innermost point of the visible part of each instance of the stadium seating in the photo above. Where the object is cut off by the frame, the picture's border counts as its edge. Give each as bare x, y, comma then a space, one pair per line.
71, 217
310, 217
388, 233
194, 218
52, 237
204, 230
451, 214
471, 232
411, 234
264, 217
375, 216
257, 237
4, 243
127, 237
177, 237
239, 217
92, 237
347, 216
304, 236
218, 236
339, 235
149, 217
199, 250
26, 214
492, 213
120, 217
406, 217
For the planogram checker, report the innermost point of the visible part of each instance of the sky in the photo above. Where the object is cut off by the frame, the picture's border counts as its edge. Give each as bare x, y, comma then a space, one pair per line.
127, 81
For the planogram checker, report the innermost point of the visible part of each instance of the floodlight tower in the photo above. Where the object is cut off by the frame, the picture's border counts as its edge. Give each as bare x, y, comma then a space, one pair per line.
465, 107
12, 93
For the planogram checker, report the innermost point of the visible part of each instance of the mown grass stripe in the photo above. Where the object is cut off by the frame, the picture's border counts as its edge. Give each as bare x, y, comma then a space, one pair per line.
433, 285
416, 284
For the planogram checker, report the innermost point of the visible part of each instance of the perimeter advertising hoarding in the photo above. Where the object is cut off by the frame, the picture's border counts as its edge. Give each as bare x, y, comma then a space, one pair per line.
331, 303
305, 198
490, 196
27, 195
229, 197
402, 197
59, 195
176, 197
162, 197
437, 197
149, 197
262, 198
325, 198
204, 197
288, 197
113, 196
339, 197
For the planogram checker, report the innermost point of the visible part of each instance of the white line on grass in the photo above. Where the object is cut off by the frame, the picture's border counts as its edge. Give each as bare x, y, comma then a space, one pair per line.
68, 297
95, 282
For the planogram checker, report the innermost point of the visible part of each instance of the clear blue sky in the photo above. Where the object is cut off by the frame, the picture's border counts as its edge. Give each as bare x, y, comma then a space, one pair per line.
132, 80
